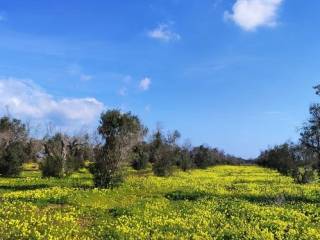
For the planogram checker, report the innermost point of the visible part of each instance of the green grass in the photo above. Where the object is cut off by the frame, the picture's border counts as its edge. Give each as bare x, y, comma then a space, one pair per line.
223, 202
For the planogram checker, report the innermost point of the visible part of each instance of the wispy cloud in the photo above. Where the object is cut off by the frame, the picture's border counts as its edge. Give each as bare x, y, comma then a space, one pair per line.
251, 14
145, 83
26, 100
163, 32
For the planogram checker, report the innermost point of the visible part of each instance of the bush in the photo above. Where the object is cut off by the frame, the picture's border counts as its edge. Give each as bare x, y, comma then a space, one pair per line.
185, 162
105, 170
139, 157
305, 175
106, 178
13, 138
52, 166
201, 157
163, 165
281, 158
11, 160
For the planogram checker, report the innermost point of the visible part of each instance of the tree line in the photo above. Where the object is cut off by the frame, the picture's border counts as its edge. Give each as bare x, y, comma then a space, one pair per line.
300, 160
122, 142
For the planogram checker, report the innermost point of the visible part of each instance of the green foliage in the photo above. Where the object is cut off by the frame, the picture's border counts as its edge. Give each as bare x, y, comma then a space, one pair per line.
281, 158
185, 161
303, 175
201, 157
120, 132
12, 159
140, 156
55, 163
52, 166
164, 153
310, 132
13, 138
164, 163
65, 155
107, 173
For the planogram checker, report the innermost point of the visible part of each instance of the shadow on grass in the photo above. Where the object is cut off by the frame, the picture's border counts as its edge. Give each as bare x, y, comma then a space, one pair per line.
187, 195
23, 187
280, 199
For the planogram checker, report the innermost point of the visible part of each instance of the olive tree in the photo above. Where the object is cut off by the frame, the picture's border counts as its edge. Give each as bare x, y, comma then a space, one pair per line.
310, 134
120, 132
64, 154
13, 139
201, 156
164, 152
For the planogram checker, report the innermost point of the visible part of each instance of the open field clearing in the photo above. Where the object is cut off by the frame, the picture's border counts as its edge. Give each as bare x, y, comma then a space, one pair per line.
223, 202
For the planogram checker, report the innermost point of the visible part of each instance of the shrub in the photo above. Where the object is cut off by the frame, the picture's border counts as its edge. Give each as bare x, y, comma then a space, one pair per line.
281, 158
305, 175
52, 166
11, 159
164, 152
185, 161
201, 157
13, 138
106, 170
139, 157
163, 165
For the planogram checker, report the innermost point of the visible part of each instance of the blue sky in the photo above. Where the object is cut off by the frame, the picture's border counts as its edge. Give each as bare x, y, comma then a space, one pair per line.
235, 74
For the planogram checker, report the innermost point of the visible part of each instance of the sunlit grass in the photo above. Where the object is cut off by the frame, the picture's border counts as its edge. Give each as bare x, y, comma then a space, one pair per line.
223, 202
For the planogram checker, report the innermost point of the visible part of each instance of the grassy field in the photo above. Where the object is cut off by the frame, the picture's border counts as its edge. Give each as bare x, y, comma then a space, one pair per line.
223, 202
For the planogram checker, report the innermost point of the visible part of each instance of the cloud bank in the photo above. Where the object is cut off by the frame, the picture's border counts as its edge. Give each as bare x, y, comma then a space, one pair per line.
25, 100
251, 14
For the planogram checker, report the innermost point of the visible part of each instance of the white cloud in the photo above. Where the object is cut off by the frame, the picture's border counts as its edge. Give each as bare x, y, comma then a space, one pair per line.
145, 83
164, 33
26, 100
251, 14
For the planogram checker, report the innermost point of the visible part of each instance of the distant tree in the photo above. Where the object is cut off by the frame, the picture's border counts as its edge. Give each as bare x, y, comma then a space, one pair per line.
13, 139
185, 160
164, 152
310, 134
120, 132
280, 157
201, 156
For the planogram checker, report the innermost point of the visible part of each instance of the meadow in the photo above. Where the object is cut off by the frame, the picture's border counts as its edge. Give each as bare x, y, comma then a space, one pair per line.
222, 202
